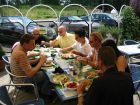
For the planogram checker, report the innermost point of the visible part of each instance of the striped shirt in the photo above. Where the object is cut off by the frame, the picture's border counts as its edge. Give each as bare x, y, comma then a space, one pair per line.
18, 64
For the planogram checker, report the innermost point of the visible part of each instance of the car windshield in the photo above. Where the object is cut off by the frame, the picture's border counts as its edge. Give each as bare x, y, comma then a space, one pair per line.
74, 18
23, 20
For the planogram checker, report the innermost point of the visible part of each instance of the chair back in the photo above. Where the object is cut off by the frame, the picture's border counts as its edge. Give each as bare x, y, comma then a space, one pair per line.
8, 70
6, 60
135, 71
130, 42
4, 96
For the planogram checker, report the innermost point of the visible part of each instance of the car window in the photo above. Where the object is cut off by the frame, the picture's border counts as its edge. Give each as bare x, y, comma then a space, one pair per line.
5, 20
106, 17
6, 23
96, 16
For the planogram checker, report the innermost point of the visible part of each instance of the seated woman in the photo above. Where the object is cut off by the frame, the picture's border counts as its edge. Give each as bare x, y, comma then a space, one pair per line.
121, 62
81, 47
95, 42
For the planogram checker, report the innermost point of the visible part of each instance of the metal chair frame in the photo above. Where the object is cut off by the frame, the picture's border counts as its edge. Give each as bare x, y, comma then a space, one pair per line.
130, 42
135, 81
17, 88
20, 85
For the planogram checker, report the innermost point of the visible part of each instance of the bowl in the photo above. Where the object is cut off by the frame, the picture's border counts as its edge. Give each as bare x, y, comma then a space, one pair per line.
71, 85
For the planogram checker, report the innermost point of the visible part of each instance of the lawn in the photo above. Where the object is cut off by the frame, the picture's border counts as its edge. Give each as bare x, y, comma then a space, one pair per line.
42, 12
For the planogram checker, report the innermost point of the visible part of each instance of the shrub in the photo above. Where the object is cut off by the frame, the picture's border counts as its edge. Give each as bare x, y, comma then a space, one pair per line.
130, 24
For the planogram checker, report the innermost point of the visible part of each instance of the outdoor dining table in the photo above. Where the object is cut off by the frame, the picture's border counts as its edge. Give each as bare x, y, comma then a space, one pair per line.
130, 50
63, 93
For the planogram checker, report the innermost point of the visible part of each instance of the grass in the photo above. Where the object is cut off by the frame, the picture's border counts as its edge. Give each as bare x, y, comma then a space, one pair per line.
41, 12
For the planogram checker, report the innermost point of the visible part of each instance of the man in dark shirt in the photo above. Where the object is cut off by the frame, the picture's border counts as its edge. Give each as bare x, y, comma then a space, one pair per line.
113, 88
38, 38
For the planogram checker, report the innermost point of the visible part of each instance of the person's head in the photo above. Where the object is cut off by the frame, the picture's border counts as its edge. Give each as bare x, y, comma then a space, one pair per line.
79, 34
95, 39
106, 57
62, 30
111, 43
28, 42
36, 33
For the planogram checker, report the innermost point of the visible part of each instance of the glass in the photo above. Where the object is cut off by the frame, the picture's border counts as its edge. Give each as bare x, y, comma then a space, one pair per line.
37, 46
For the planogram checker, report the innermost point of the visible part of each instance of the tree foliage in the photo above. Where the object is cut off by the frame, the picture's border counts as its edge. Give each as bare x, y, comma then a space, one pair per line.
130, 24
136, 5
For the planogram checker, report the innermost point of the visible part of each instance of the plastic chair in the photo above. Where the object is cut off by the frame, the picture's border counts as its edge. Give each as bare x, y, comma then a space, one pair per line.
136, 59
135, 71
5, 59
17, 88
130, 42
5, 98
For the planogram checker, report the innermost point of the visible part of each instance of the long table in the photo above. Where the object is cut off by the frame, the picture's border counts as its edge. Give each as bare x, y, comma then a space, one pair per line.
63, 93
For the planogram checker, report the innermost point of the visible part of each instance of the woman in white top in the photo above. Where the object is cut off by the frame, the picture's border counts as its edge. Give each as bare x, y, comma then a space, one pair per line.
95, 42
81, 47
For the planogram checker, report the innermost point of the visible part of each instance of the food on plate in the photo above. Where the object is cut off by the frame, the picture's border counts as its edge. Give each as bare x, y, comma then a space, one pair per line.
91, 74
60, 78
68, 55
71, 85
48, 63
78, 78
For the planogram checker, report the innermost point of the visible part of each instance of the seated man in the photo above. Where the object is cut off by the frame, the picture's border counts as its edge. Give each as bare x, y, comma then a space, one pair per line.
81, 47
20, 65
63, 40
36, 35
38, 38
112, 88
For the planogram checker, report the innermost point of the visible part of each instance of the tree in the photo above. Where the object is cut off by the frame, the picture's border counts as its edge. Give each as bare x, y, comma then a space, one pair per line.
135, 4
48, 2
130, 24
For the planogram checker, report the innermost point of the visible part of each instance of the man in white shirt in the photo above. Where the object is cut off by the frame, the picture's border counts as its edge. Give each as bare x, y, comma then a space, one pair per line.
81, 46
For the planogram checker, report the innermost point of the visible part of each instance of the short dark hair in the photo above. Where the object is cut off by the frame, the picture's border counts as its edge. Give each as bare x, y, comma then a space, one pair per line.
26, 39
107, 55
112, 43
80, 32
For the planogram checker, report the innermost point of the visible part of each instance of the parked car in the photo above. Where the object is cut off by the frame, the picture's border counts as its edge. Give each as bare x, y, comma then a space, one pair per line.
103, 18
74, 22
69, 18
13, 27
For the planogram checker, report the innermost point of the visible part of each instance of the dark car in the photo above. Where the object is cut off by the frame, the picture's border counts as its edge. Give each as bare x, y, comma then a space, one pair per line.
103, 18
69, 18
12, 28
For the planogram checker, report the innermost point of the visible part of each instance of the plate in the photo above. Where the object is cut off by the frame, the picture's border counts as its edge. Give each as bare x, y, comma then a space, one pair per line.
79, 78
68, 56
91, 74
71, 85
48, 64
60, 78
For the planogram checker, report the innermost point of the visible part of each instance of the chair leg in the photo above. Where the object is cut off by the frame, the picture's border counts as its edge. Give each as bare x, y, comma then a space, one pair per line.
54, 100
17, 92
9, 86
138, 95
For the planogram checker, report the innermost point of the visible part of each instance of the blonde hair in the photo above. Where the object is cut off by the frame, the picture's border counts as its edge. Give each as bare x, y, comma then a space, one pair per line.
98, 35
